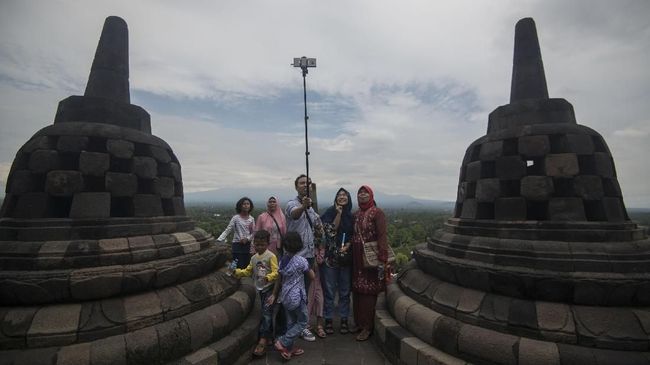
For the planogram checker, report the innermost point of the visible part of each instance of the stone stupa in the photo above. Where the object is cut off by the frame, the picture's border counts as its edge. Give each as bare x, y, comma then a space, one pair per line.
540, 263
98, 262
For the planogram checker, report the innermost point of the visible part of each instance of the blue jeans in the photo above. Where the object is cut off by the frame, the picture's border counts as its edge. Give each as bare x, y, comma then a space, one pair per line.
266, 322
336, 279
296, 323
243, 259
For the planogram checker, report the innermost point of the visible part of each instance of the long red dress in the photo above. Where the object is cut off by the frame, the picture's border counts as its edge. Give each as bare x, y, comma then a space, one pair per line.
369, 225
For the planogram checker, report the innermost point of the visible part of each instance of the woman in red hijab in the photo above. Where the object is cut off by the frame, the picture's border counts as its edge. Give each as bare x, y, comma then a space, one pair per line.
369, 225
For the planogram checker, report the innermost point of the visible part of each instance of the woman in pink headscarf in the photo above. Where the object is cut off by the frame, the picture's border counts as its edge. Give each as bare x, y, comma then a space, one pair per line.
274, 222
367, 283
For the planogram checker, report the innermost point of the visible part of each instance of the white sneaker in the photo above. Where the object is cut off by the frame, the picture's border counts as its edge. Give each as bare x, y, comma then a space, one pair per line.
307, 335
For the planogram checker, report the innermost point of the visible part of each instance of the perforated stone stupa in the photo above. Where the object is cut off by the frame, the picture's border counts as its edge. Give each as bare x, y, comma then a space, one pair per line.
540, 263
98, 262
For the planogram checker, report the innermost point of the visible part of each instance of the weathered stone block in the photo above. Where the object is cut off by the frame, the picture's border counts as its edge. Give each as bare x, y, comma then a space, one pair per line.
469, 209
409, 349
533, 352
21, 182
445, 335
176, 171
531, 146
537, 187
72, 143
120, 148
604, 165
121, 185
74, 355
566, 209
17, 321
510, 209
473, 171
31, 205
38, 143
614, 209
490, 346
142, 346
421, 321
561, 165
147, 205
554, 317
581, 144
144, 308
164, 186
107, 351
588, 187
58, 321
179, 205
487, 190
160, 154
94, 163
145, 167
84, 286
491, 150
63, 182
91, 205
44, 161
510, 167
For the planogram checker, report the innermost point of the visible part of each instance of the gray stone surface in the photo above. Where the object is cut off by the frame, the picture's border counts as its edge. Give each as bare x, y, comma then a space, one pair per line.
22, 182
491, 150
43, 161
72, 143
91, 205
164, 187
94, 163
534, 146
537, 187
121, 185
487, 345
510, 209
147, 205
487, 190
64, 182
561, 165
144, 167
566, 209
588, 187
510, 168
120, 148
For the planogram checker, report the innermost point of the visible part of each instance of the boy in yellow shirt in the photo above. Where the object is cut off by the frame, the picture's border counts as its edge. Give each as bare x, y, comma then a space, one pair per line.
263, 267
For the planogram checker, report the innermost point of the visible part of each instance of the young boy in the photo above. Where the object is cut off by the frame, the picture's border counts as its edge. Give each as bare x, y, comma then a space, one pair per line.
264, 269
292, 294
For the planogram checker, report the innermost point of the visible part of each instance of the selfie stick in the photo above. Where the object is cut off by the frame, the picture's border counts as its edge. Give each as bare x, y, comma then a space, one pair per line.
304, 62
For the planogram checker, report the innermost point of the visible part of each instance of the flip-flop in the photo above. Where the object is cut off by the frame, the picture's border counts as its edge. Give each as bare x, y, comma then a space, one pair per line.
260, 350
320, 332
286, 354
297, 351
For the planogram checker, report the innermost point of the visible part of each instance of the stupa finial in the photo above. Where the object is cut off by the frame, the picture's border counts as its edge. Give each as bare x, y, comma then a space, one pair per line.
109, 75
528, 79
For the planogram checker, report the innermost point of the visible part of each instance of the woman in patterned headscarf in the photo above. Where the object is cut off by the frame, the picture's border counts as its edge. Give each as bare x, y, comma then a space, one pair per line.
274, 222
367, 283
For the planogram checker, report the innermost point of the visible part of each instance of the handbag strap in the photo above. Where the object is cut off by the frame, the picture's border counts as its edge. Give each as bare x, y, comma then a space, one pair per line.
277, 225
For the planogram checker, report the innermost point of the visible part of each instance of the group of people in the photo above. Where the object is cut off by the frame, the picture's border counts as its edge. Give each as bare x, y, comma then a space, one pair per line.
301, 261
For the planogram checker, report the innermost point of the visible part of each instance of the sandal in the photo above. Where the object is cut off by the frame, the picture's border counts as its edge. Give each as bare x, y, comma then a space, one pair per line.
344, 327
363, 335
260, 350
320, 332
297, 351
286, 354
329, 328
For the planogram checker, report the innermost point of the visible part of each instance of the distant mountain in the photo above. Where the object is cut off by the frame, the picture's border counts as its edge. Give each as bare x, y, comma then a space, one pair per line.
325, 198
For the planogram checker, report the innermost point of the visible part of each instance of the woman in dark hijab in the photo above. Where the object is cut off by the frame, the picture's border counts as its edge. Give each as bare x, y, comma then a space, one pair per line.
336, 270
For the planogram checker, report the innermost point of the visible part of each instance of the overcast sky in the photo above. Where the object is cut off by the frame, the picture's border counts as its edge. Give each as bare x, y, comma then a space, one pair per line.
400, 91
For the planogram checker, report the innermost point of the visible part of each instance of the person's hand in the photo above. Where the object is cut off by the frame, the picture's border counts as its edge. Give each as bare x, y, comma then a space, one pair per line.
243, 241
339, 209
345, 248
306, 202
